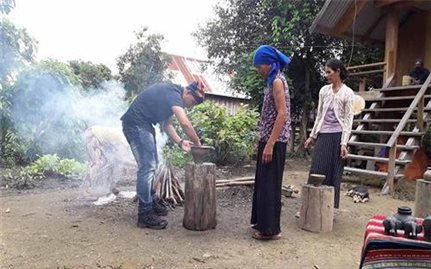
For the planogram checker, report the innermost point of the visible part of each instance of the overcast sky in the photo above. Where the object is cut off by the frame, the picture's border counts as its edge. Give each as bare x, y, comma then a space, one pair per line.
101, 30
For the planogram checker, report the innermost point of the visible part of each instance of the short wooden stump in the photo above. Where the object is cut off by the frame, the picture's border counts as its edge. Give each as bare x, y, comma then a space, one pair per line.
317, 209
200, 208
423, 199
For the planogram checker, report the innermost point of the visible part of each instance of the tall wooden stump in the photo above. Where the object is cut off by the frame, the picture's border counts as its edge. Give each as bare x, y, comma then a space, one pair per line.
317, 209
423, 198
200, 197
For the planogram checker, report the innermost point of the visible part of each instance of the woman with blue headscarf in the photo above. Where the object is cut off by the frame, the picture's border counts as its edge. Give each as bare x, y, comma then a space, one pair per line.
274, 131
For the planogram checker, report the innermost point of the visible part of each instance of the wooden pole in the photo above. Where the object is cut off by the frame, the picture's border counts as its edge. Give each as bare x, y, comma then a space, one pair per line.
317, 209
391, 43
200, 197
420, 114
423, 198
391, 169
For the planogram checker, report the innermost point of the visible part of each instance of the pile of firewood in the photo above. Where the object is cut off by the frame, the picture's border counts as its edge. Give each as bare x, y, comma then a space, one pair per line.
167, 186
171, 192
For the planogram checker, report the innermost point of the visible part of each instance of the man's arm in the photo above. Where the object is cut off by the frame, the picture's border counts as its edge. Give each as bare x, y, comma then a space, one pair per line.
185, 123
170, 130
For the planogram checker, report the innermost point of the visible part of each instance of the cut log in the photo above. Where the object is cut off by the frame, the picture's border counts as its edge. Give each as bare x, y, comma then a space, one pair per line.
317, 209
234, 183
423, 198
235, 179
200, 197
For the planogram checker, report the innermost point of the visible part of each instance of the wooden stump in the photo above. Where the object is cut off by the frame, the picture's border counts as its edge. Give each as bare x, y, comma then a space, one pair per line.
423, 198
200, 197
317, 209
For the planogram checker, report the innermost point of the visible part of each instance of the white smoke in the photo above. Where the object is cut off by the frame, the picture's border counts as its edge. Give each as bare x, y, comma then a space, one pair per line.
51, 114
104, 106
161, 140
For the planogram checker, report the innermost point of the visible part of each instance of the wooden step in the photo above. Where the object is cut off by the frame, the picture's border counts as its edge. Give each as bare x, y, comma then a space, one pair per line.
380, 145
369, 172
386, 132
392, 109
401, 88
382, 120
377, 159
394, 98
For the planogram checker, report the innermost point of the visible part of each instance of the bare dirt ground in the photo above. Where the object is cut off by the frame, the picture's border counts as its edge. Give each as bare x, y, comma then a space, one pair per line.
59, 228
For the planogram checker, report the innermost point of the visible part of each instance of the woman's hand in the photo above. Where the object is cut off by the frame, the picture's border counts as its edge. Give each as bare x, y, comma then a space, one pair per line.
344, 152
267, 153
309, 142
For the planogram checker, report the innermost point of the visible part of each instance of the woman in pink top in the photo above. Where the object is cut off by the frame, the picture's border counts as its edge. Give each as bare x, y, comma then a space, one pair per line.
274, 130
332, 127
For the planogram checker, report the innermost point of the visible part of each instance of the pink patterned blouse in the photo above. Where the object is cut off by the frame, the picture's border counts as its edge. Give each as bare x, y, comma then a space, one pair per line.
269, 114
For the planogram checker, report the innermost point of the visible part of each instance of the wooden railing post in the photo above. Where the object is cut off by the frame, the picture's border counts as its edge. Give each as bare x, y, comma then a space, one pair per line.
418, 102
391, 168
420, 114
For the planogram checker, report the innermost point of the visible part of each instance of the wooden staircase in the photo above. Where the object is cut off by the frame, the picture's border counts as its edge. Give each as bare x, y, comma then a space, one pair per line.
391, 113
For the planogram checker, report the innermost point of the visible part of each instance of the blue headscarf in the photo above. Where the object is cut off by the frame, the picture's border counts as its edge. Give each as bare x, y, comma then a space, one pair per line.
266, 54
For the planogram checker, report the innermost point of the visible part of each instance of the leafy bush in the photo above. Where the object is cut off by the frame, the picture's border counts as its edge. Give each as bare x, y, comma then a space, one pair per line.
19, 177
175, 156
71, 168
12, 149
52, 164
41, 111
232, 136
47, 165
426, 142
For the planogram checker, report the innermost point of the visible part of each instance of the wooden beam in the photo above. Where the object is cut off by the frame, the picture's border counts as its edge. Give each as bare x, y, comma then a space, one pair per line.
348, 17
391, 169
374, 25
383, 3
420, 114
366, 65
407, 5
367, 72
391, 42
363, 85
363, 39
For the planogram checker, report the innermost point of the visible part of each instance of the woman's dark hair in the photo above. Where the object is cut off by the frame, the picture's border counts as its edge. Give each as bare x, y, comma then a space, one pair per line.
336, 65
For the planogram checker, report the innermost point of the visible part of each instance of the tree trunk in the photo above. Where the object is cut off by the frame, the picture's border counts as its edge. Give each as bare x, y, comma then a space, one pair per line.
317, 209
303, 134
423, 198
291, 144
200, 197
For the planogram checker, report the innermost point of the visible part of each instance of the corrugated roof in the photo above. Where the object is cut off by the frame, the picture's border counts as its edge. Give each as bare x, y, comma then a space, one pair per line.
187, 70
369, 23
330, 13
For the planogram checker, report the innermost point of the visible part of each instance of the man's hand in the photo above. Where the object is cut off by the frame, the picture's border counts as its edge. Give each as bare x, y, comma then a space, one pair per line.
201, 86
184, 121
309, 142
186, 145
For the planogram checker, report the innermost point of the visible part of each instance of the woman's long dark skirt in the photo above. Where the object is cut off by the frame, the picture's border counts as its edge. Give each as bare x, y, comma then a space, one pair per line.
267, 190
326, 161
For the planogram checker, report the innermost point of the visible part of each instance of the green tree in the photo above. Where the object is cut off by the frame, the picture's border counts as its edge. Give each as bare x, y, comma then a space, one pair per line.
240, 26
17, 50
144, 63
243, 25
90, 75
42, 113
6, 6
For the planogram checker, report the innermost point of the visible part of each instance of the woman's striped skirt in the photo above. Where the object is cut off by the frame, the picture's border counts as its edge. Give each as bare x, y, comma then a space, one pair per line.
326, 161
